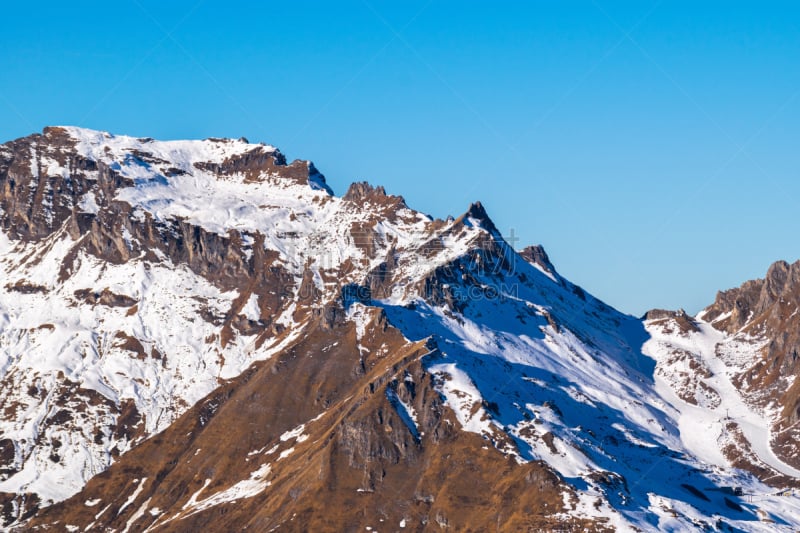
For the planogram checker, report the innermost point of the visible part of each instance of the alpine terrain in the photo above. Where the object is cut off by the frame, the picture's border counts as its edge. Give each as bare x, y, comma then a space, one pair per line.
201, 336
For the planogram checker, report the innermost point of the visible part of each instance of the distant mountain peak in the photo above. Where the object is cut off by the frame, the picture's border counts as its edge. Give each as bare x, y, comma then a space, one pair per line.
734, 309
477, 214
359, 190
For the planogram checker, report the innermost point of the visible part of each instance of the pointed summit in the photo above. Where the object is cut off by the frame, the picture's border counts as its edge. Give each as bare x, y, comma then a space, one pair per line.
316, 180
477, 215
361, 190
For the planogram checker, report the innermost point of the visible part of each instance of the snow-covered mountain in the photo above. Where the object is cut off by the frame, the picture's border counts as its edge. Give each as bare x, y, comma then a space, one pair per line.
198, 335
734, 371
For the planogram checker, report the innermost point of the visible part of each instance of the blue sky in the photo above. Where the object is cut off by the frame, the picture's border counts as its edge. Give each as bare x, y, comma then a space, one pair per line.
652, 147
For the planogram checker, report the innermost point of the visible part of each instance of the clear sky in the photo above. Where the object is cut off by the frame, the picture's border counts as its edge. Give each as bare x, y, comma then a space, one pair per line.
651, 147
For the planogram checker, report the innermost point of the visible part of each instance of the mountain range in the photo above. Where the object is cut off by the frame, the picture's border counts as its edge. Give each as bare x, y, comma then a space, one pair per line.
202, 336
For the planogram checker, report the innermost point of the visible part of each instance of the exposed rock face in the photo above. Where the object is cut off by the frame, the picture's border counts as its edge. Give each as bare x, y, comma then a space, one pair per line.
197, 335
477, 213
679, 318
765, 308
34, 206
755, 301
537, 256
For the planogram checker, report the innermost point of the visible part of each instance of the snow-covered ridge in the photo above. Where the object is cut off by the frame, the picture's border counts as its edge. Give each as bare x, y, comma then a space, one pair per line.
299, 218
101, 145
171, 179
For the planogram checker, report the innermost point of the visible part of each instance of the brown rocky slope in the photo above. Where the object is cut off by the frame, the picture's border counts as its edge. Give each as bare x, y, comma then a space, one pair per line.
353, 464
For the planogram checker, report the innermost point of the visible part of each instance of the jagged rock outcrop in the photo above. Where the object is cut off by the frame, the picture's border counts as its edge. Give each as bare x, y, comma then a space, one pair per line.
679, 318
755, 301
478, 213
536, 255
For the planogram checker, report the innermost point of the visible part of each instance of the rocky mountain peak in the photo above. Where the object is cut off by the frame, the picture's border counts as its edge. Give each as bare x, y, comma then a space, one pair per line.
755, 300
782, 279
362, 191
476, 214
536, 255
316, 179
